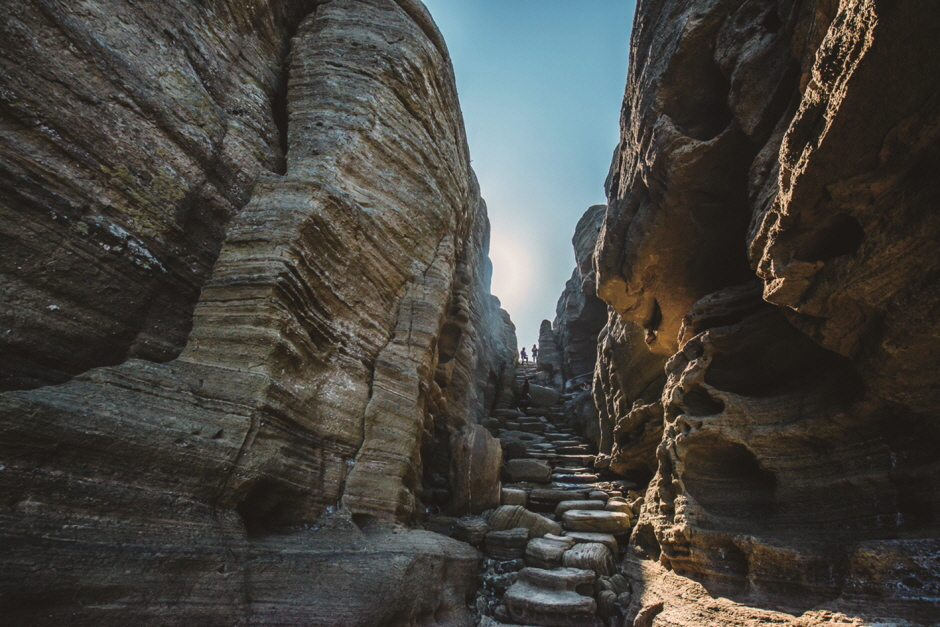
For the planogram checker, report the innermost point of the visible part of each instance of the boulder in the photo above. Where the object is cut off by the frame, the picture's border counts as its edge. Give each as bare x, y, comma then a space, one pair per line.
596, 521
553, 598
590, 556
543, 396
512, 516
547, 552
620, 505
528, 470
565, 506
512, 496
475, 460
508, 544
513, 448
603, 538
470, 530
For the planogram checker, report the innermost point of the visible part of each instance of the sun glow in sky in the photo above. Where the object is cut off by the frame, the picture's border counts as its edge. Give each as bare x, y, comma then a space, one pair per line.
513, 282
541, 84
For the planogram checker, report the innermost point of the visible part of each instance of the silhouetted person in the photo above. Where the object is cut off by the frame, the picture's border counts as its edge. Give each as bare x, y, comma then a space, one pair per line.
525, 358
535, 352
525, 399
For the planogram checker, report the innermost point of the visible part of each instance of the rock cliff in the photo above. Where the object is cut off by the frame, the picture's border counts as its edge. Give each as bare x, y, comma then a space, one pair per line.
767, 245
250, 248
580, 314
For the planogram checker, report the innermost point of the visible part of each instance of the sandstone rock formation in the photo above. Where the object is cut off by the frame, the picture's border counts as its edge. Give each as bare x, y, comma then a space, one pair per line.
768, 241
344, 340
127, 148
580, 314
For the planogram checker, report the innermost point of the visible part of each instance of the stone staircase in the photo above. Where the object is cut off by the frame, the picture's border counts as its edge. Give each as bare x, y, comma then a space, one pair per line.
553, 545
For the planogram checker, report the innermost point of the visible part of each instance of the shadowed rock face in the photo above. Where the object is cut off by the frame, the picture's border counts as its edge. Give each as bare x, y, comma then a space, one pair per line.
132, 133
767, 240
580, 315
345, 335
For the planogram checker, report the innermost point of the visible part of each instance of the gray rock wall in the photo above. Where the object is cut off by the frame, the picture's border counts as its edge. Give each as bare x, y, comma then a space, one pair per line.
346, 328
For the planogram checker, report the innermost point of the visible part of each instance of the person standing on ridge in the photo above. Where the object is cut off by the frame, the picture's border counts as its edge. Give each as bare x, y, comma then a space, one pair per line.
535, 353
525, 358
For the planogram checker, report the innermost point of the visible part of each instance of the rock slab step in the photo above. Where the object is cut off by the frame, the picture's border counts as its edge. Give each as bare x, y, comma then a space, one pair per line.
596, 521
550, 598
528, 470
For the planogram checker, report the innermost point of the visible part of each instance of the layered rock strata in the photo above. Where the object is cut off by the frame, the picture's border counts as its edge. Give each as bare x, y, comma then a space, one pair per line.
132, 133
580, 314
345, 337
766, 240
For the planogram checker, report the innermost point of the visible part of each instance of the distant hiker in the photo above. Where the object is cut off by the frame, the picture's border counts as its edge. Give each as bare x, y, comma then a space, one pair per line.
525, 358
535, 353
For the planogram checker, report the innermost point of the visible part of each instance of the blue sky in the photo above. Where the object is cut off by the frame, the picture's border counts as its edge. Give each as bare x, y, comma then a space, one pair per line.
540, 84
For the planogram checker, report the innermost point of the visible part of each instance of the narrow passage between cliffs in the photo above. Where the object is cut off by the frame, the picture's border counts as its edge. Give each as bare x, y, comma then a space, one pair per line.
552, 546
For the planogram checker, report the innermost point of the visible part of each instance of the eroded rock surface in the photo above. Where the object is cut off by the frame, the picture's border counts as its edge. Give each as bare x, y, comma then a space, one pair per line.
580, 314
344, 340
126, 149
766, 246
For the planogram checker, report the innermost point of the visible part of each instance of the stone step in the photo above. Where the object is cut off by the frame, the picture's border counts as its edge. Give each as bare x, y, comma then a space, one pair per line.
582, 449
576, 458
547, 499
606, 539
596, 521
552, 598
512, 516
592, 556
520, 470
567, 506
574, 478
547, 552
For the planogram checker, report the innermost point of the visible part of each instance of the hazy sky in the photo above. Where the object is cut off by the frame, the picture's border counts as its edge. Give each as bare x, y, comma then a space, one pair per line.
540, 83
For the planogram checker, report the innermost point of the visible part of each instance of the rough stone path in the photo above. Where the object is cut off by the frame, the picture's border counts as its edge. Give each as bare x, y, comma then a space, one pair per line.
553, 544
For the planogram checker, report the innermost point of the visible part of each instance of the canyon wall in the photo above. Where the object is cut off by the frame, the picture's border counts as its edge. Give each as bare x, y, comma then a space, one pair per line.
771, 357
247, 316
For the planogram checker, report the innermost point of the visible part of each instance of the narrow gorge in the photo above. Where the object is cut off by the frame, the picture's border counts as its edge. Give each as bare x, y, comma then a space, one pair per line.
251, 372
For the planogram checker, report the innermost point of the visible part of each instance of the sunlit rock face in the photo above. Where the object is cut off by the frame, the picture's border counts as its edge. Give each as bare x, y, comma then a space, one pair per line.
344, 341
767, 247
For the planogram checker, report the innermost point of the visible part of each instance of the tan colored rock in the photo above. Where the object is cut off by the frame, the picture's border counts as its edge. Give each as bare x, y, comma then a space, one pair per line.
512, 516
619, 505
596, 521
346, 332
784, 358
592, 556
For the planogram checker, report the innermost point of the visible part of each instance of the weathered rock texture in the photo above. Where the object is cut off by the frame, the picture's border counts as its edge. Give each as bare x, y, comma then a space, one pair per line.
131, 134
770, 238
345, 338
580, 314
